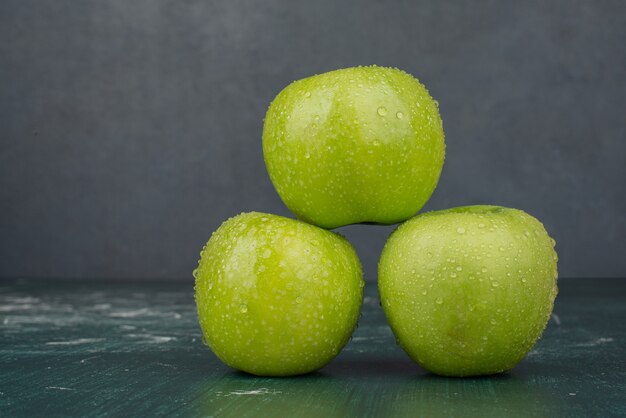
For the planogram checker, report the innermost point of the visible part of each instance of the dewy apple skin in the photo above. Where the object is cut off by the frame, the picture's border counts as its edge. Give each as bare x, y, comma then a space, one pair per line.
362, 144
468, 291
277, 296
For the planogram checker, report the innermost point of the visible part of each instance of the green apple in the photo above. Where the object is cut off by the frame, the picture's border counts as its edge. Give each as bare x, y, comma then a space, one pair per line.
469, 290
276, 296
356, 145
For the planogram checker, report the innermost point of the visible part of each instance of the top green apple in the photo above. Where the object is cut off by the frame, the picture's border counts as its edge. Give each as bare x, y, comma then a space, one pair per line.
356, 145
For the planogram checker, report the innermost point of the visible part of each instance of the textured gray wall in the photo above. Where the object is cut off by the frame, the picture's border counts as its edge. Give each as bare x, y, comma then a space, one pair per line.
130, 129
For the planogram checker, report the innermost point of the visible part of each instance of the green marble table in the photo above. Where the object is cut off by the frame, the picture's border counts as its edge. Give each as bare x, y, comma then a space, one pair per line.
107, 348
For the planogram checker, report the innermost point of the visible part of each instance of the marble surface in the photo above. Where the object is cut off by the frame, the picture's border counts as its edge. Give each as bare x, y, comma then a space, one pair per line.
112, 348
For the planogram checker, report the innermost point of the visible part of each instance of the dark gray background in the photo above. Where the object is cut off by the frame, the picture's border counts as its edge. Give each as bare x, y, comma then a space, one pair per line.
131, 129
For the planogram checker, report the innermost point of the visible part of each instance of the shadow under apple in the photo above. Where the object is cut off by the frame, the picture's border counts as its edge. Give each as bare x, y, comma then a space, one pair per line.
238, 394
490, 396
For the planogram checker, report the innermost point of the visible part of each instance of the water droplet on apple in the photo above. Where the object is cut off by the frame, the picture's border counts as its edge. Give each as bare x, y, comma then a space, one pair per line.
424, 292
299, 299
307, 94
481, 225
376, 143
439, 300
307, 155
399, 115
382, 111
493, 321
267, 253
243, 308
495, 284
460, 230
459, 268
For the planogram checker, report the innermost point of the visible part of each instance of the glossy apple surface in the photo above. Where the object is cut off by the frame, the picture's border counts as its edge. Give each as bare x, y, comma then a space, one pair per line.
276, 296
362, 144
469, 290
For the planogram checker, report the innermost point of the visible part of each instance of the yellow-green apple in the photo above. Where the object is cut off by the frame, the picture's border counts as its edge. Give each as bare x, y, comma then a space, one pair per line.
355, 145
469, 290
277, 296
